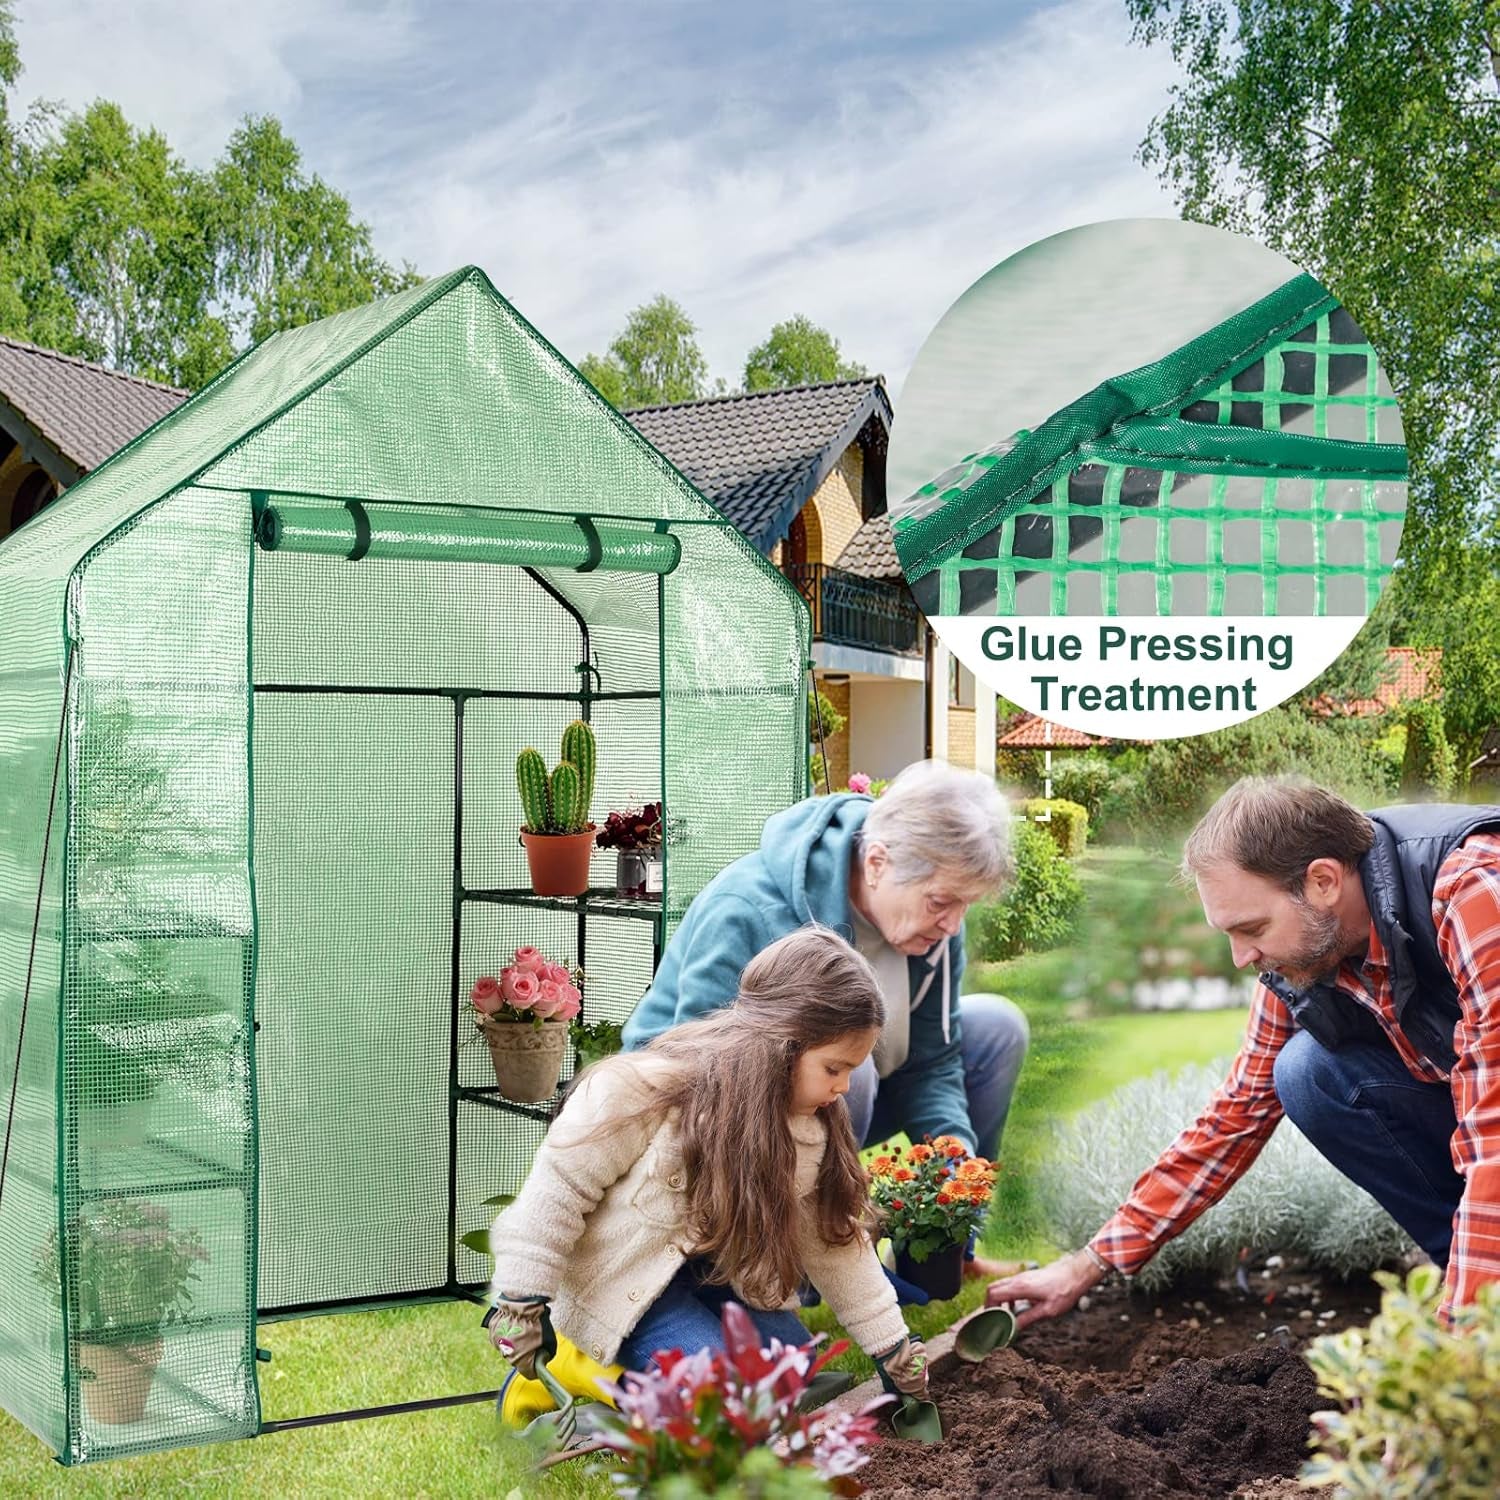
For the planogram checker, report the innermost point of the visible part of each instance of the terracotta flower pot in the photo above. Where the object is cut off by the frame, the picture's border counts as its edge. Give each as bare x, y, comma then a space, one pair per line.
122, 1380
559, 862
528, 1059
941, 1275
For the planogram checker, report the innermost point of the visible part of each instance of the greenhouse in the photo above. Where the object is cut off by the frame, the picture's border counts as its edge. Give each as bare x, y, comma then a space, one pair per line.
264, 678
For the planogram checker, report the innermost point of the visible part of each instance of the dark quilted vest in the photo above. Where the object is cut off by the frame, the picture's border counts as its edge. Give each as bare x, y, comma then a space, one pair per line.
1398, 875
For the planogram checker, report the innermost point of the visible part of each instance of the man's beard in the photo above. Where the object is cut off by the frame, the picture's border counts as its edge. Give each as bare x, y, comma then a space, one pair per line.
1323, 948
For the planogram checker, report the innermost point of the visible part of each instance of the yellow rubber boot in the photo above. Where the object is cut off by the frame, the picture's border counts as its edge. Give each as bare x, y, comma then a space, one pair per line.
574, 1371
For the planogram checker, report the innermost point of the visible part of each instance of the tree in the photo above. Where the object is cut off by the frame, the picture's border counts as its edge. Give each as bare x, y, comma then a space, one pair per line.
112, 248
1362, 139
1361, 669
289, 250
796, 352
110, 203
655, 359
1427, 765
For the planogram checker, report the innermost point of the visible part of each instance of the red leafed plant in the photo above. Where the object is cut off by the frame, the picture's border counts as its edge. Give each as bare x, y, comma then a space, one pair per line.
717, 1418
632, 830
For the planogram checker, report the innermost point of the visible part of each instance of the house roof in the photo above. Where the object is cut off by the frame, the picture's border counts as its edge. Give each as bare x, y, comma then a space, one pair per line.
760, 456
82, 411
1031, 733
1414, 674
871, 552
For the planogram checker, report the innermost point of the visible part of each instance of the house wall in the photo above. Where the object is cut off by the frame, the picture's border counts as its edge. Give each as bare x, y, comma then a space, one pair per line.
835, 510
961, 736
886, 731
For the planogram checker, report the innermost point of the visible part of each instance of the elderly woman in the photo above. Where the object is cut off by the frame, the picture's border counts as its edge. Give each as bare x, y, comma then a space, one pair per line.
895, 876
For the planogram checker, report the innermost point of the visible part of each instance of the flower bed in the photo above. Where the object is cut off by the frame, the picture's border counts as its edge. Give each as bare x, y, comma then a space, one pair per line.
1191, 1394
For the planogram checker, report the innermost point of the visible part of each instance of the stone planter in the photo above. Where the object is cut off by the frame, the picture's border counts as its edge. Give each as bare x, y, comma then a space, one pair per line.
528, 1058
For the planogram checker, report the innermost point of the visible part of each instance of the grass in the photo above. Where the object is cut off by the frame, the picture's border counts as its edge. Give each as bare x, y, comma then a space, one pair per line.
1079, 1052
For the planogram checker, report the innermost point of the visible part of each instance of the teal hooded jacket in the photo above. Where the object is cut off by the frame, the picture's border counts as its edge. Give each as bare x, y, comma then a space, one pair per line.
800, 874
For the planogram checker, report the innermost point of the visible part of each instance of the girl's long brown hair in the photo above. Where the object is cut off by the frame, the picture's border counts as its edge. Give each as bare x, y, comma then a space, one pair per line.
733, 1095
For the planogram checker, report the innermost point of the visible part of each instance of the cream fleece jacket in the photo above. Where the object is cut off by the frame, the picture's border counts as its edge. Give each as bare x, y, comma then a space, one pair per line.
600, 1225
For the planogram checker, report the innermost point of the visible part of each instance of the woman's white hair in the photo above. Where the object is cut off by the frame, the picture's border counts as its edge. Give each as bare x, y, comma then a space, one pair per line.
935, 817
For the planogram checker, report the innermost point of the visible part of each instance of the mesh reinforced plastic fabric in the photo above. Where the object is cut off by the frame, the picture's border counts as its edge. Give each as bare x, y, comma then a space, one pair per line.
285, 832
1258, 470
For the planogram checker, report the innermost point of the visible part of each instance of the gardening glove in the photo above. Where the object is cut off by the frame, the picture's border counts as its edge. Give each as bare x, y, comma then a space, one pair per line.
520, 1329
903, 1370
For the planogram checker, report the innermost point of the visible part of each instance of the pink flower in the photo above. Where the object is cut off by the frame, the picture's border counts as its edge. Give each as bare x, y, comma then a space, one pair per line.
557, 974
572, 1003
548, 1001
520, 988
859, 782
486, 996
532, 960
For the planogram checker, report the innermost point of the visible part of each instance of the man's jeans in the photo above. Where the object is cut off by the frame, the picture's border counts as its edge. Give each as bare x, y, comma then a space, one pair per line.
995, 1036
1383, 1129
688, 1316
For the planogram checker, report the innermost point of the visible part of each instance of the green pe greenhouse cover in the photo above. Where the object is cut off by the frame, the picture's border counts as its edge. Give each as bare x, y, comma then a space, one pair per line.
1256, 469
259, 827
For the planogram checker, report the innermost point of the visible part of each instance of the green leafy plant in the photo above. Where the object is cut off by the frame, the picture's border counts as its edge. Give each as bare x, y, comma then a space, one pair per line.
1417, 1398
1292, 1199
559, 803
133, 1271
931, 1196
1065, 823
723, 1422
595, 1039
1036, 910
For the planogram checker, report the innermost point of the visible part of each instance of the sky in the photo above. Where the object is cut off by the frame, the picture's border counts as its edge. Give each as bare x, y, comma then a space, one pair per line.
859, 163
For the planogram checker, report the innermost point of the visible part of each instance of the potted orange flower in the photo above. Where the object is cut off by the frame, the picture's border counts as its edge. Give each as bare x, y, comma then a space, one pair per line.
931, 1198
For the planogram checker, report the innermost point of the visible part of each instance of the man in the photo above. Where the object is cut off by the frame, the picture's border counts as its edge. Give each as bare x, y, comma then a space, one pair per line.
895, 877
1376, 1027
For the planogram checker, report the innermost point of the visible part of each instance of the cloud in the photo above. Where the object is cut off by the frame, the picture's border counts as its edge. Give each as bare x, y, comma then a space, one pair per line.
869, 210
192, 68
859, 164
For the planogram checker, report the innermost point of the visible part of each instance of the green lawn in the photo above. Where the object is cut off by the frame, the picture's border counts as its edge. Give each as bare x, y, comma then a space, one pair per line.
323, 1364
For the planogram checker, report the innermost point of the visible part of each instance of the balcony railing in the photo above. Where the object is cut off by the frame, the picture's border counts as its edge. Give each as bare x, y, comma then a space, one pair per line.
852, 611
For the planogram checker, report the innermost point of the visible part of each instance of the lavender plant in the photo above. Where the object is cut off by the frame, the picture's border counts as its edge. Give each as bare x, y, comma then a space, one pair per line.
1291, 1200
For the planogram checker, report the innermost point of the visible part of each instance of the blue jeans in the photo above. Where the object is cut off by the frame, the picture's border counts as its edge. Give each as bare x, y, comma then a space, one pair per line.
994, 1037
688, 1316
1383, 1129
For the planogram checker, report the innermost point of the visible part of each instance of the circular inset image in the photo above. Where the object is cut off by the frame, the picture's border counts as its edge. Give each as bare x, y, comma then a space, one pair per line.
1148, 478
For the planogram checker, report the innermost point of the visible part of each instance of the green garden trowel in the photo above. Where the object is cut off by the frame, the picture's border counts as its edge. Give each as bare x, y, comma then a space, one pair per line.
916, 1421
983, 1332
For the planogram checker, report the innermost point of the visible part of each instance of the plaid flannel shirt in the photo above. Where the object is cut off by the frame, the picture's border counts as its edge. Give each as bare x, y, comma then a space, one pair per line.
1207, 1158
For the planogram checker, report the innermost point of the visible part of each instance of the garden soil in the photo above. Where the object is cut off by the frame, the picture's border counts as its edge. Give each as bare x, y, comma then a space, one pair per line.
1200, 1392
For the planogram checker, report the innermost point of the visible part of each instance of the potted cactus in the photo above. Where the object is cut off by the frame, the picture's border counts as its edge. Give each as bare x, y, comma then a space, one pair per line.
557, 834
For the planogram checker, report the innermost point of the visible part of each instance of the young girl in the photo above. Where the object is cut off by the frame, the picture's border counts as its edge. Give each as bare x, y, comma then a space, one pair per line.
717, 1162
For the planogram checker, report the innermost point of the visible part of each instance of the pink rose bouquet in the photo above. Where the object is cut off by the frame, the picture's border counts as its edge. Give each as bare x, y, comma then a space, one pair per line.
529, 988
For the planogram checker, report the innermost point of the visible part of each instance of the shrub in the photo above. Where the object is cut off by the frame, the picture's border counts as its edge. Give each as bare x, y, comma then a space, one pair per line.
820, 710
1084, 777
1019, 768
1179, 779
1428, 767
1065, 823
1291, 1200
1037, 910
1419, 1399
